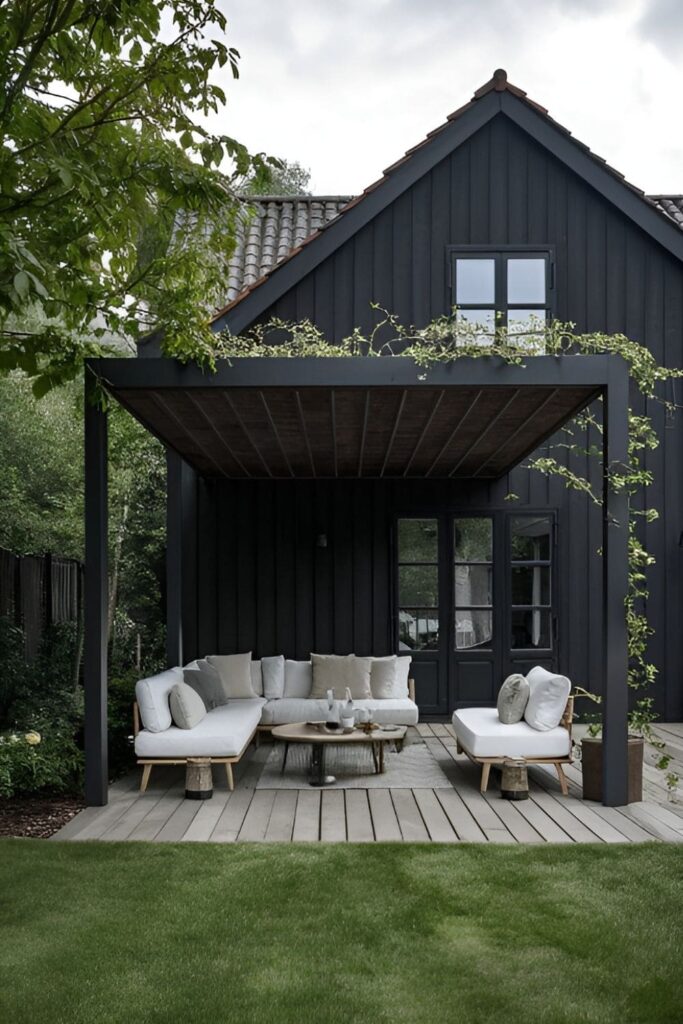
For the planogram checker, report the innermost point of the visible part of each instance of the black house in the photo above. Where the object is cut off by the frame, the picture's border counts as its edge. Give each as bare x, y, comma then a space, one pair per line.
324, 513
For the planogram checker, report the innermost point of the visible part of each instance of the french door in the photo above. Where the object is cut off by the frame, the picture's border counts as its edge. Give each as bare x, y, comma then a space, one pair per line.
475, 600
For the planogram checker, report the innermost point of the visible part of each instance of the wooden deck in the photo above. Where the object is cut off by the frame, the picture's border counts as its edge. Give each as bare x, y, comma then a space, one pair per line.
460, 814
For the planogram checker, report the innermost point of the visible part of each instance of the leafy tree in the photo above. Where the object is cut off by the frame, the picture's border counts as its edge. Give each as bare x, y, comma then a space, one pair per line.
101, 146
290, 179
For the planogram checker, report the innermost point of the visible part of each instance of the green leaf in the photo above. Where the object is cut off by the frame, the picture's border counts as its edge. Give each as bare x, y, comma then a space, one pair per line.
21, 284
135, 52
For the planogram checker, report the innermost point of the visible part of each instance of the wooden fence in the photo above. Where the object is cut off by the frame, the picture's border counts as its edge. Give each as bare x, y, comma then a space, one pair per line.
37, 591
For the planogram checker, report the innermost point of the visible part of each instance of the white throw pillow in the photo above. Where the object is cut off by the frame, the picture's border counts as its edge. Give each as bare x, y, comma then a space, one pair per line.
235, 673
298, 678
187, 707
273, 670
383, 677
548, 694
341, 673
152, 697
257, 678
403, 662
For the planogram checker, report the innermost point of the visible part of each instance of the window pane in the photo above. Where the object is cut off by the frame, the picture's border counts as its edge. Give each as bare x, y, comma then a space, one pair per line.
418, 629
530, 584
473, 540
418, 585
418, 540
475, 282
476, 326
526, 328
473, 629
530, 538
526, 280
530, 628
473, 585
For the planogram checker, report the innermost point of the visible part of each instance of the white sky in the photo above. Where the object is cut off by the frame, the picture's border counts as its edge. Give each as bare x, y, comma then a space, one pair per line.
346, 86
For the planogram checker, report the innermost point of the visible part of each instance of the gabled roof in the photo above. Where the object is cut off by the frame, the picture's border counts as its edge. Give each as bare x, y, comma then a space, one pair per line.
658, 216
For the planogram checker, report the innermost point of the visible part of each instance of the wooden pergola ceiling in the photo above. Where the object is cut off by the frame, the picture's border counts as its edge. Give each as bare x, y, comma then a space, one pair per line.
285, 432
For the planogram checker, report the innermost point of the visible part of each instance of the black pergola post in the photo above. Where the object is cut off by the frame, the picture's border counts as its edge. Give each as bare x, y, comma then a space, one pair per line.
174, 570
96, 598
615, 588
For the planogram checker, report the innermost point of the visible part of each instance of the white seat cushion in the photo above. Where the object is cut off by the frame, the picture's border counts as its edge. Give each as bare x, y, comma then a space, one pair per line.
393, 711
222, 733
482, 734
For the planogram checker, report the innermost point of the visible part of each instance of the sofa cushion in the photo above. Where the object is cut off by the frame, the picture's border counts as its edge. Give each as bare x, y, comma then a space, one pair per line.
512, 699
482, 734
257, 678
273, 670
391, 711
223, 732
187, 707
339, 673
235, 673
548, 694
383, 676
298, 678
206, 681
152, 697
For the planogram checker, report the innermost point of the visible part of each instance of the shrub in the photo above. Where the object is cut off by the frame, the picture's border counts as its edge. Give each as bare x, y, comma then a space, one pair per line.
12, 667
30, 762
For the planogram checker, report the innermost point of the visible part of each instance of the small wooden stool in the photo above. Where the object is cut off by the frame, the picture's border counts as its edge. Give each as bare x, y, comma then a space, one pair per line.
198, 779
514, 784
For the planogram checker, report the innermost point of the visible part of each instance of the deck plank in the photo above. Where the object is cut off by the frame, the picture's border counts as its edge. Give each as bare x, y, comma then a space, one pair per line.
463, 822
632, 832
255, 824
562, 815
410, 821
281, 823
178, 823
435, 818
358, 819
206, 818
235, 811
307, 817
384, 820
515, 822
154, 821
332, 816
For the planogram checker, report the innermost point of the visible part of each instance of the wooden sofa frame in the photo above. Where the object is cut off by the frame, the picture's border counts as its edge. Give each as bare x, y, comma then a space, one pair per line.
148, 763
486, 762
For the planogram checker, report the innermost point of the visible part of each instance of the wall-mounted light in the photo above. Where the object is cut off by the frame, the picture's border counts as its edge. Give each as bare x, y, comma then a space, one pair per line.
321, 540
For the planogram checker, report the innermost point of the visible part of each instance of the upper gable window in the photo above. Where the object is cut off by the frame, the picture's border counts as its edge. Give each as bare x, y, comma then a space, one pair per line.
509, 289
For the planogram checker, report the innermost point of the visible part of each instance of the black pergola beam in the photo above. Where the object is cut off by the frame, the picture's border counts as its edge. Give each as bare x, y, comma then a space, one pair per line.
96, 598
258, 373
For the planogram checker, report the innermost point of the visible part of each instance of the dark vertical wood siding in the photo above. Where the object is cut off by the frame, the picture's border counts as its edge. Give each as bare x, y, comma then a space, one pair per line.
500, 188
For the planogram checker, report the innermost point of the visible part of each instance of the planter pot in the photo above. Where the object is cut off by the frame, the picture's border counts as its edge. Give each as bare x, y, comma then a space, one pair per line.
591, 768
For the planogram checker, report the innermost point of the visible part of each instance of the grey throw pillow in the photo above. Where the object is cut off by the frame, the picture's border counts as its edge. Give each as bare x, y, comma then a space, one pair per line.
187, 707
235, 673
512, 699
273, 671
206, 681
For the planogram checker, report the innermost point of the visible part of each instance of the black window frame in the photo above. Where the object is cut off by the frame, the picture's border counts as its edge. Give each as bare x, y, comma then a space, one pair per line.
501, 254
436, 564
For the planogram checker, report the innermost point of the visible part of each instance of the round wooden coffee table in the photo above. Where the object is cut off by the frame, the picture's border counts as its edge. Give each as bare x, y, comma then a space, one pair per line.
301, 732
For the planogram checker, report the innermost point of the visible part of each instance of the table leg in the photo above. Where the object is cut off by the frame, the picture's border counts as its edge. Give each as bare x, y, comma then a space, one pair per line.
381, 757
318, 777
374, 756
284, 759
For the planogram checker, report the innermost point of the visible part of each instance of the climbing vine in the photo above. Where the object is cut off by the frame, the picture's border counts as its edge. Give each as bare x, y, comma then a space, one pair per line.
445, 339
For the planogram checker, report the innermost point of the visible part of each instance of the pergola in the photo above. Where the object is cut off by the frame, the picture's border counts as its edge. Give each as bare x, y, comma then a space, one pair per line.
367, 417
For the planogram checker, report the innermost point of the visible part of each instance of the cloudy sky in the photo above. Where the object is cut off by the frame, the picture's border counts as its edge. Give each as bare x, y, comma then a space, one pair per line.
346, 86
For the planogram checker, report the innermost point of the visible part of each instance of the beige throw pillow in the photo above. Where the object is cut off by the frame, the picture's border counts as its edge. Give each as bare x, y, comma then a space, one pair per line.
383, 677
235, 674
338, 672
187, 707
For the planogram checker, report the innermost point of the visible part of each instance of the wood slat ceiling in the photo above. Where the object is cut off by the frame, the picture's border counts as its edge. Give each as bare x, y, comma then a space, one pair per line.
317, 432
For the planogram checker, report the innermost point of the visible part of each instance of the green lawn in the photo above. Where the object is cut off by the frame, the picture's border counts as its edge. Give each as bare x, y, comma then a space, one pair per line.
141, 933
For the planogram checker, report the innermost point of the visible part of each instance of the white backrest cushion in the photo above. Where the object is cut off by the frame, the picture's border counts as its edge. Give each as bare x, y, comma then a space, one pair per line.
548, 694
298, 678
383, 677
235, 673
402, 675
273, 670
257, 678
152, 697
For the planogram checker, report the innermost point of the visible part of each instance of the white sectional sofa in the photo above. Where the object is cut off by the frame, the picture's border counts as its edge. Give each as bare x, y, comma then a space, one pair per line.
226, 731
